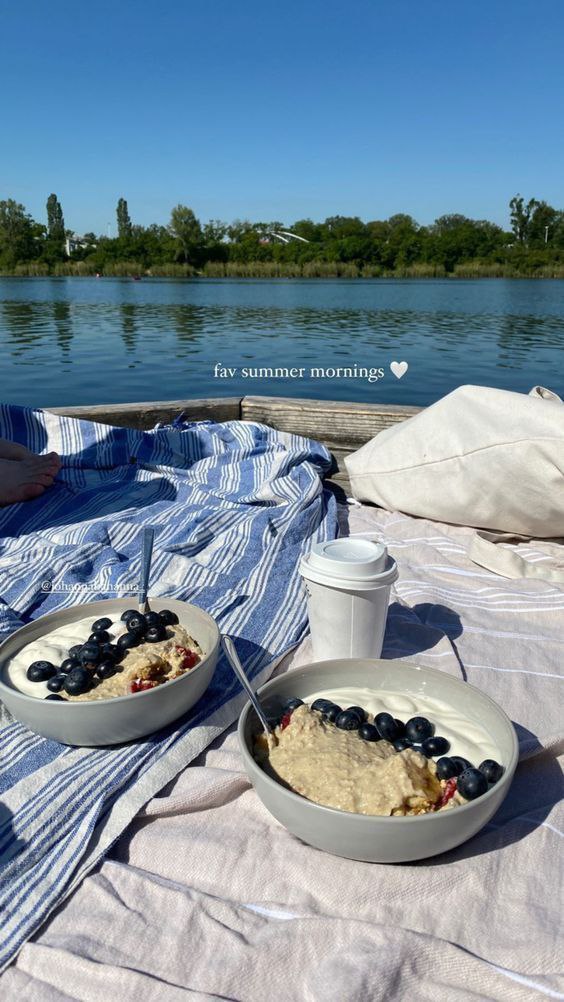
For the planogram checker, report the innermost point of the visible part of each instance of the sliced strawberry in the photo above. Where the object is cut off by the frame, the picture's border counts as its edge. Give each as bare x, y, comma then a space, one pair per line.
448, 792
285, 721
142, 684
190, 658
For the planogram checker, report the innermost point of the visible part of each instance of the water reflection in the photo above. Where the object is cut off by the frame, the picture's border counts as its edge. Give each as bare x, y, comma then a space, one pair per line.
63, 325
25, 323
189, 322
170, 334
128, 325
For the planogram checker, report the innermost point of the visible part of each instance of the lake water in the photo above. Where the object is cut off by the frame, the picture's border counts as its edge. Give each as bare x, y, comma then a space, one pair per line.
79, 341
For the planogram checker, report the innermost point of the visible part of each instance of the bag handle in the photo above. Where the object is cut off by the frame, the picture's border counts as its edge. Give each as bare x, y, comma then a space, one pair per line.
509, 564
542, 393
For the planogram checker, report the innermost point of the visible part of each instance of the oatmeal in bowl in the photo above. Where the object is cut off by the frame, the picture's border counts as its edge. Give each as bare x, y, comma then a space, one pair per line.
365, 763
102, 673
105, 658
378, 760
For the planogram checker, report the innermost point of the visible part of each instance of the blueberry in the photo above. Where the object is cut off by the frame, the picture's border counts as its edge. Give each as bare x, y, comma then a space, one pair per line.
90, 654
113, 651
492, 770
125, 616
137, 624
168, 618
101, 637
400, 744
446, 769
322, 705
154, 634
361, 714
153, 619
74, 652
77, 682
68, 665
387, 726
419, 728
348, 721
80, 672
332, 713
369, 732
106, 669
460, 764
56, 683
471, 784
292, 704
53, 695
101, 625
435, 746
40, 671
400, 727
126, 642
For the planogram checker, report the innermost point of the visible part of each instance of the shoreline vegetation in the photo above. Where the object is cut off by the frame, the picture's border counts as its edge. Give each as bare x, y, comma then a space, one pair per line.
270, 270
454, 246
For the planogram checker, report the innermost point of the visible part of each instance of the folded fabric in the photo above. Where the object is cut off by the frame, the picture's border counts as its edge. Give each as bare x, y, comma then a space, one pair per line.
234, 506
480, 457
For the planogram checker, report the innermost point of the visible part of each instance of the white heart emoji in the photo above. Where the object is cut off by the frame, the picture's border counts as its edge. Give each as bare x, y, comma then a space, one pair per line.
399, 369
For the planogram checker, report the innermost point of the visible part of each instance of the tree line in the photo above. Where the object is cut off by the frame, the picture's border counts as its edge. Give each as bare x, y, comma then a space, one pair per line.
341, 245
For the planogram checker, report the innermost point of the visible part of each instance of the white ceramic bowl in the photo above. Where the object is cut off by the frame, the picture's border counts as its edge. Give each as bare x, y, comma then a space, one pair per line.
368, 837
121, 718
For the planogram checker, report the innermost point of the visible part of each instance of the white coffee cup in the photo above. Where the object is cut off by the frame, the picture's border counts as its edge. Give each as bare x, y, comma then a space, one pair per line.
348, 585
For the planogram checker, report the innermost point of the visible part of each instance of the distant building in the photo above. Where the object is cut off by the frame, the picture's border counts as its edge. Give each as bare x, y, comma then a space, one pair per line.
75, 243
283, 237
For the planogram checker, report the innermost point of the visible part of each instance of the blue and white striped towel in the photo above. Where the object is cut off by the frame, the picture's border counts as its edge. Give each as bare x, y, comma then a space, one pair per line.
234, 506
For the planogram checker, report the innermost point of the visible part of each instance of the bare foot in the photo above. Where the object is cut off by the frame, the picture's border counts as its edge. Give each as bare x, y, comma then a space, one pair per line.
23, 479
12, 450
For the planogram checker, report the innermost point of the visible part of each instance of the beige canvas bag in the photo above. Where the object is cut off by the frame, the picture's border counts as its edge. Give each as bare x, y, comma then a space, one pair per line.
481, 457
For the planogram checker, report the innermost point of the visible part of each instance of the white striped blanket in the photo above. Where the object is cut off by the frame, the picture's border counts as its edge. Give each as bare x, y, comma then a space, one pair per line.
234, 506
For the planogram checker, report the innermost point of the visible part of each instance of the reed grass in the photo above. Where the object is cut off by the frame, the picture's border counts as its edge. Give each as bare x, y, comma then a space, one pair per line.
288, 270
171, 271
31, 269
417, 270
75, 268
481, 269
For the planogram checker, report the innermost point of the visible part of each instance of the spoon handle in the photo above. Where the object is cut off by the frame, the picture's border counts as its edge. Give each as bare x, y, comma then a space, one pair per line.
233, 658
146, 554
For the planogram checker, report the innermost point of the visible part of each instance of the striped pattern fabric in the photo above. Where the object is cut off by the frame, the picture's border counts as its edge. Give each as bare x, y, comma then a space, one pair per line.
234, 506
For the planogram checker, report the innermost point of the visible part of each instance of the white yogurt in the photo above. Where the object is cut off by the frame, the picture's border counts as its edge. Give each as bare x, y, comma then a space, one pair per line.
53, 647
467, 738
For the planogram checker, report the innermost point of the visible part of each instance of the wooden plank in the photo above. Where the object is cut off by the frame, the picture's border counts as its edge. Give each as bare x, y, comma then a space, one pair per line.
338, 474
146, 415
337, 424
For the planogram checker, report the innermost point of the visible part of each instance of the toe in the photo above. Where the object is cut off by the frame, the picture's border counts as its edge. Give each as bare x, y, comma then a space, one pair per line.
43, 478
32, 491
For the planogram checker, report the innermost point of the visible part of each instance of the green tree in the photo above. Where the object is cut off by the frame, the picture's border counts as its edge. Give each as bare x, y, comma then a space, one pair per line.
308, 229
521, 216
542, 223
340, 227
55, 220
214, 231
17, 234
123, 220
238, 229
187, 230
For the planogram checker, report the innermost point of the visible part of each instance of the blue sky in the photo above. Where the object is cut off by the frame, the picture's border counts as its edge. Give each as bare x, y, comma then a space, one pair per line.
281, 111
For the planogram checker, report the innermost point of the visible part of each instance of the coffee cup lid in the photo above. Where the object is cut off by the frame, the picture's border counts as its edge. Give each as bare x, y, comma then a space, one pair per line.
353, 559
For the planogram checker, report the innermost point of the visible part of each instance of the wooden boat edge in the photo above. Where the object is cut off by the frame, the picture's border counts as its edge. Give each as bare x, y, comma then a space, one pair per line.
342, 426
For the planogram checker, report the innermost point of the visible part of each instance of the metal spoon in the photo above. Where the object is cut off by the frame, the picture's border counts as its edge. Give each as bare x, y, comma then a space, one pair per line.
233, 658
146, 554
